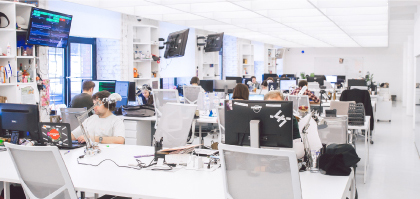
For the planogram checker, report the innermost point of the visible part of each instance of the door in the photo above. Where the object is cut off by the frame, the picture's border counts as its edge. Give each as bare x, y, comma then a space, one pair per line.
81, 62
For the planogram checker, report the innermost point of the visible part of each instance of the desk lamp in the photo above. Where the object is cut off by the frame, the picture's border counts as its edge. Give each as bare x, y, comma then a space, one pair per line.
91, 147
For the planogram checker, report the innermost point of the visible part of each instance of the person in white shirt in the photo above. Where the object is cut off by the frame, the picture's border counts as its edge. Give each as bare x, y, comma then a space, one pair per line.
103, 127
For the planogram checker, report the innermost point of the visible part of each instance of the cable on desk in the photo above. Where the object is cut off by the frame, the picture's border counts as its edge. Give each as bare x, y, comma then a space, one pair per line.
140, 164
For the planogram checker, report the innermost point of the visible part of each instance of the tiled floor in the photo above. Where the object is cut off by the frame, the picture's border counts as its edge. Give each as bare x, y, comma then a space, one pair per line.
394, 170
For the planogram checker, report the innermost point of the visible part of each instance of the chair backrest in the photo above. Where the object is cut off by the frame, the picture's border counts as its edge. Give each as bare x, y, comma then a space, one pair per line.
162, 97
175, 124
42, 172
69, 115
359, 87
342, 107
313, 85
299, 101
334, 131
250, 173
191, 94
221, 123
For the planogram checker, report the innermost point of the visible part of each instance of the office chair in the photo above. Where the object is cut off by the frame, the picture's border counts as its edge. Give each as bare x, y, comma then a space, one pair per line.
359, 87
341, 107
69, 115
313, 86
250, 173
162, 97
42, 172
334, 130
175, 124
191, 94
221, 123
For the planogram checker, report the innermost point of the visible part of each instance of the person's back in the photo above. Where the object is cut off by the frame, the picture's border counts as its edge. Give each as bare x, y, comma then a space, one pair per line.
311, 96
84, 100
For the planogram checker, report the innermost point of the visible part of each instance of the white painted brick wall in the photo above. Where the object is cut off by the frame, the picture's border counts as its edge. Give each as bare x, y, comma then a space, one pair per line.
108, 61
230, 56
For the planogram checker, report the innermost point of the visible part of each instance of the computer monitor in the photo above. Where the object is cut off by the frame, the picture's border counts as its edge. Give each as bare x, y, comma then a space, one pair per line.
267, 75
341, 79
320, 79
289, 75
122, 87
20, 118
356, 82
226, 86
237, 79
207, 85
176, 44
310, 79
214, 42
102, 85
273, 86
275, 122
132, 92
287, 84
331, 78
246, 80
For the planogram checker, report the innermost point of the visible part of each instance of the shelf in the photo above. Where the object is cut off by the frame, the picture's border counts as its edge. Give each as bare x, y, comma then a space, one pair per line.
21, 30
7, 57
248, 64
143, 60
30, 83
137, 43
209, 64
25, 57
8, 84
145, 26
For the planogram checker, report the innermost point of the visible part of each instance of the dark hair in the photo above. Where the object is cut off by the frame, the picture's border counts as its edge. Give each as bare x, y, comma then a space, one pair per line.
240, 91
265, 83
195, 80
303, 83
104, 94
253, 77
87, 85
270, 78
283, 75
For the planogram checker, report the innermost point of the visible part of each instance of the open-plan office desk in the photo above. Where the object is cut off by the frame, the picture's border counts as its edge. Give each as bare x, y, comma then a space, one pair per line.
107, 178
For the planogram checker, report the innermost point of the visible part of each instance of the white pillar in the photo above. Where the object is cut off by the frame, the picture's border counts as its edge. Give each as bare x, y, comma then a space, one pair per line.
410, 77
404, 79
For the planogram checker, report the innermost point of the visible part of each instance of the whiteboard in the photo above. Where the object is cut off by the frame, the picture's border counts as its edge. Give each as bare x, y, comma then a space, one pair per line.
351, 67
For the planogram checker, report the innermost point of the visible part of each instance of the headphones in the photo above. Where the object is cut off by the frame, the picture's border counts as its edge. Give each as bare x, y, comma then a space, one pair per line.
4, 15
146, 87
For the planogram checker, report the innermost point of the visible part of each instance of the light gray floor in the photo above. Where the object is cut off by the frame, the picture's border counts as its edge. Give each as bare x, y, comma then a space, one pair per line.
394, 170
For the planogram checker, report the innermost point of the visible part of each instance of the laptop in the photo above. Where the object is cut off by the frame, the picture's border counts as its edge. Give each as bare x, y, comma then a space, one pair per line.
57, 134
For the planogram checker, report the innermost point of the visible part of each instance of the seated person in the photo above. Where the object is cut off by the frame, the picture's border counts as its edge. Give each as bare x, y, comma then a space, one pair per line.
146, 97
264, 85
103, 127
195, 81
284, 77
312, 97
240, 92
84, 99
254, 83
297, 141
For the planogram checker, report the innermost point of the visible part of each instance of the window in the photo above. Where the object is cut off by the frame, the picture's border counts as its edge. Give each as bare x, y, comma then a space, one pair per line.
69, 66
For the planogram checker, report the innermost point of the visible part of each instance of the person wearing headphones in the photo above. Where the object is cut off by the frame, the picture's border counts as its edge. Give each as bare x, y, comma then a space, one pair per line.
103, 127
312, 97
145, 95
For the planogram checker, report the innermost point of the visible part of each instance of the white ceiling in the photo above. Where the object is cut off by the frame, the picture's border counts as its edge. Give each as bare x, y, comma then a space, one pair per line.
288, 23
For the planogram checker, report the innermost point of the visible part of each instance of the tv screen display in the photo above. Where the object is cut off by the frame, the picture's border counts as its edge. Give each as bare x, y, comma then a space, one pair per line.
176, 44
214, 42
47, 28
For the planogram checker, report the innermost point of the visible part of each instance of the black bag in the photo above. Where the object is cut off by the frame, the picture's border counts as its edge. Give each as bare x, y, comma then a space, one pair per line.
138, 111
338, 159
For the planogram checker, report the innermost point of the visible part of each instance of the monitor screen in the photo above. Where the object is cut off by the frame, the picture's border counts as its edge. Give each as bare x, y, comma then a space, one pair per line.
331, 78
275, 117
287, 84
267, 75
237, 79
207, 85
47, 28
122, 87
214, 43
104, 85
20, 117
176, 44
132, 92
256, 97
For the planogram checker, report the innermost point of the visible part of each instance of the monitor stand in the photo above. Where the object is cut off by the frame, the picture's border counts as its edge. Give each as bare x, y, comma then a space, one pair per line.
254, 129
226, 89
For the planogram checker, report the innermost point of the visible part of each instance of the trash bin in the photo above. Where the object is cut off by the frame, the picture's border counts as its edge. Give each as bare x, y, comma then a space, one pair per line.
393, 98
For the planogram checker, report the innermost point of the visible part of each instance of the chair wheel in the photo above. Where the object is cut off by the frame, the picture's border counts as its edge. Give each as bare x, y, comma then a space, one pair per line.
389, 120
371, 142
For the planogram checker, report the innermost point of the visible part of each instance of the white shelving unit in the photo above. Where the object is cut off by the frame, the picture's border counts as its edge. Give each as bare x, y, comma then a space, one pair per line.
8, 35
208, 62
271, 65
144, 38
246, 60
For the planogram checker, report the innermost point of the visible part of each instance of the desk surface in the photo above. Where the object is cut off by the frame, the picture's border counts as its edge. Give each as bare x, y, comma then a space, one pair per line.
110, 179
152, 118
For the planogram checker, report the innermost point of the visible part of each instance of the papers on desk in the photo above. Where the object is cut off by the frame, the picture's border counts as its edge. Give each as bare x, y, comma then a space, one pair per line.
179, 150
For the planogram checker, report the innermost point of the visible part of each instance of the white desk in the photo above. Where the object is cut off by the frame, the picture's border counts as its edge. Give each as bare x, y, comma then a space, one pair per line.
368, 134
146, 184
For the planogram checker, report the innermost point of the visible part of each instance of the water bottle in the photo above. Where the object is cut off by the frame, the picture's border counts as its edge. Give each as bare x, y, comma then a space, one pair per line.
314, 157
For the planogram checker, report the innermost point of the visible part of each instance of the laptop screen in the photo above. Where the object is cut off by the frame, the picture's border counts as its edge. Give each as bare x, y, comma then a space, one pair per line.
55, 134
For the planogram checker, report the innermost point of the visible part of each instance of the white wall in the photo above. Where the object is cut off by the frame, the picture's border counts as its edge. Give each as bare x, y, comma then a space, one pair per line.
180, 66
385, 63
89, 21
